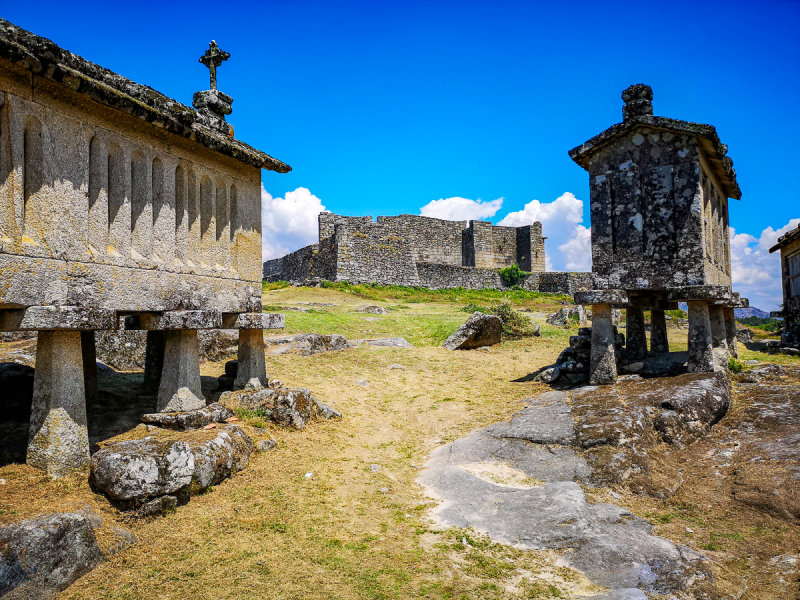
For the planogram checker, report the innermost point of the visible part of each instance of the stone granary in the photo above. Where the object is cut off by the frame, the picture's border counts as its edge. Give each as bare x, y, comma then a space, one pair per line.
789, 246
120, 205
659, 192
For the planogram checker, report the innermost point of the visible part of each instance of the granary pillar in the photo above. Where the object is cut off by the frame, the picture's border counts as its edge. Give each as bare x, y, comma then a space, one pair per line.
603, 360
636, 348
58, 440
701, 356
251, 370
89, 357
179, 387
718, 334
153, 361
730, 330
659, 343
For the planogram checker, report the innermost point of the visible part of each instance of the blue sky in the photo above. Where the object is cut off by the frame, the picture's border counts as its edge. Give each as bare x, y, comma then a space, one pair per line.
384, 107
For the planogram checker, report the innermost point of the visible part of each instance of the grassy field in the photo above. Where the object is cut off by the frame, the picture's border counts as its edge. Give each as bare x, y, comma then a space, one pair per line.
334, 512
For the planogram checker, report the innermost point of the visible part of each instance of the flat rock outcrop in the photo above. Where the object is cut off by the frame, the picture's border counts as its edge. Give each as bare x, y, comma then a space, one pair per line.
520, 481
305, 343
289, 407
193, 419
478, 331
41, 556
133, 473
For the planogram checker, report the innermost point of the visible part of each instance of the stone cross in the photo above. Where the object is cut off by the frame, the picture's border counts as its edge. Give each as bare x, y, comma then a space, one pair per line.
212, 59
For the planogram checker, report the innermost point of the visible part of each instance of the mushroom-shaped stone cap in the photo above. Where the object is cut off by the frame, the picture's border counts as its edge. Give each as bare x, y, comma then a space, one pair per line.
638, 101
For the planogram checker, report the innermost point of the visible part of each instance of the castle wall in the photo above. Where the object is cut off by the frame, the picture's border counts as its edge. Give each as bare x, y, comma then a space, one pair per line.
415, 250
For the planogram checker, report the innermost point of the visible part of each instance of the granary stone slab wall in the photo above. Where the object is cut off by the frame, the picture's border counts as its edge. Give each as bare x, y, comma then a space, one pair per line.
556, 282
789, 247
663, 220
412, 250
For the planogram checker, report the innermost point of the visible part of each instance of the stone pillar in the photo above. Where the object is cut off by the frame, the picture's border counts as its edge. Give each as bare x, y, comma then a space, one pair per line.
635, 333
701, 356
658, 332
730, 331
718, 334
89, 357
58, 439
153, 361
603, 360
252, 369
180, 376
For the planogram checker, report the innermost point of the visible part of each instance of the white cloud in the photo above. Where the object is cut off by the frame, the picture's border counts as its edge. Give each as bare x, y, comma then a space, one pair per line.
577, 251
567, 247
461, 209
756, 273
288, 223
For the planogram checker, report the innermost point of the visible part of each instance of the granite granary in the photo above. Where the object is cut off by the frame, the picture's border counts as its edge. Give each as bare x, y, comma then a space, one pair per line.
422, 251
120, 205
789, 246
659, 192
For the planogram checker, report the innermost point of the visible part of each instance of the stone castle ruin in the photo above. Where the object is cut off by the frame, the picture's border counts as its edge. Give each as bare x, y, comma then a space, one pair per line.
659, 211
120, 205
421, 251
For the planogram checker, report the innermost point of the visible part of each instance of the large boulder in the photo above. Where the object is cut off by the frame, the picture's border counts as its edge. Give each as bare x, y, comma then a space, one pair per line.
134, 473
133, 470
47, 553
478, 331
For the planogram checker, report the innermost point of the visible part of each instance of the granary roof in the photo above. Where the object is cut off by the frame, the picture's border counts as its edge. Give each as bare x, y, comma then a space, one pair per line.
45, 59
787, 237
638, 112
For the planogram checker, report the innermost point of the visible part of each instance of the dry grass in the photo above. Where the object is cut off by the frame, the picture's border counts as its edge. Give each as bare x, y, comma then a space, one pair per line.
346, 532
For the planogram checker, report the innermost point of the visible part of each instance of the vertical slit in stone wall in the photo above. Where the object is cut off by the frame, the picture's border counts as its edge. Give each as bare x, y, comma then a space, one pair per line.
194, 219
141, 209
207, 222
98, 199
181, 217
9, 232
163, 214
119, 207
32, 180
234, 228
223, 225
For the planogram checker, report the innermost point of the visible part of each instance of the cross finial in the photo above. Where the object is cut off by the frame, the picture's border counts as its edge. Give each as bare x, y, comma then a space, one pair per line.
212, 59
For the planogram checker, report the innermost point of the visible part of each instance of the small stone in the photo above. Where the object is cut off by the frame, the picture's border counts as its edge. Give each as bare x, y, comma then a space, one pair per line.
361, 382
689, 530
374, 468
396, 367
265, 445
158, 506
309, 475
210, 426
384, 490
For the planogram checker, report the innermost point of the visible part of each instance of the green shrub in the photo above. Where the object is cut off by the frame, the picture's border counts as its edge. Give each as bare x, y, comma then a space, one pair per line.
515, 324
770, 324
735, 366
512, 275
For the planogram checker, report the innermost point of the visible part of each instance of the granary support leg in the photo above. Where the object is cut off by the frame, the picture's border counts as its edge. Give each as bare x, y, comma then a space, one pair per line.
252, 368
58, 439
701, 356
719, 338
603, 360
730, 331
635, 333
89, 356
153, 361
180, 389
659, 343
